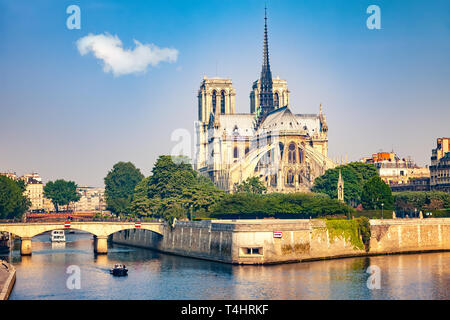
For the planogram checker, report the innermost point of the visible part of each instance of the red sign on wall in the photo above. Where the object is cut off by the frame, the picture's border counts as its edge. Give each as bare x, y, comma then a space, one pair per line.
67, 224
137, 224
278, 234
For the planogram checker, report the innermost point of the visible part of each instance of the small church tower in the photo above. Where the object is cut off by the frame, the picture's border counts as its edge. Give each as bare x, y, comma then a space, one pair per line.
340, 187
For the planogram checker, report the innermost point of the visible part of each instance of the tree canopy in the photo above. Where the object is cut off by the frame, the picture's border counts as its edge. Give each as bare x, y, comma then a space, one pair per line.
251, 185
354, 174
61, 192
13, 203
421, 200
375, 193
294, 205
120, 183
174, 190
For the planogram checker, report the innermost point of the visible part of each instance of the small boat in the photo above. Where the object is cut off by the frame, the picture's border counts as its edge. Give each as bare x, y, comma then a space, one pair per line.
119, 270
58, 236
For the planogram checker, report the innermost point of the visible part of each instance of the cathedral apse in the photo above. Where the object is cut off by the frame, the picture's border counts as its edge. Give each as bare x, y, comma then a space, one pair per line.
287, 151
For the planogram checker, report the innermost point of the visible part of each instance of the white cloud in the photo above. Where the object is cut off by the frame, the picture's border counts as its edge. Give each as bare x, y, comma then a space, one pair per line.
121, 61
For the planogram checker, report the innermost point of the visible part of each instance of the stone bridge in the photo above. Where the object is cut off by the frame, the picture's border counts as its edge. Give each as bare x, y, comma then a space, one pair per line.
100, 230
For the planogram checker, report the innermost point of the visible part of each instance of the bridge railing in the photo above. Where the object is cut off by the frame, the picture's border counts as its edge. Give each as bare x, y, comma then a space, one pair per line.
112, 219
11, 220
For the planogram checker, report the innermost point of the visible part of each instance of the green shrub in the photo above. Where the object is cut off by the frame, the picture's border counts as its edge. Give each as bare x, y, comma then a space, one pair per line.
357, 231
373, 214
277, 205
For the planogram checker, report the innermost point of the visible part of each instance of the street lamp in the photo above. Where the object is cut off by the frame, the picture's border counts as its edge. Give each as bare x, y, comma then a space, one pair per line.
382, 205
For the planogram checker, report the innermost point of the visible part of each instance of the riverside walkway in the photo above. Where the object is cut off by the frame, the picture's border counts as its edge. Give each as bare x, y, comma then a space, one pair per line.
7, 279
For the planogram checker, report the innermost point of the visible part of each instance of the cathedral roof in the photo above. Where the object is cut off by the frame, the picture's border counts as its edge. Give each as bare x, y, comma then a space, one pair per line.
281, 119
238, 124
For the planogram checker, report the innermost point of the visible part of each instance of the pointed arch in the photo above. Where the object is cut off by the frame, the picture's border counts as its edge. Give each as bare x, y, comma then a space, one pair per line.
214, 101
222, 102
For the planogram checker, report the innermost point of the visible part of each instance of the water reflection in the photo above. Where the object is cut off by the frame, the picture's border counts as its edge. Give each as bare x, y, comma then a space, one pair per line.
154, 275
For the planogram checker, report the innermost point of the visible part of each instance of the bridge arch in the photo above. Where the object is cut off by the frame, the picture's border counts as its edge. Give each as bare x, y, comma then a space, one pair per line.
100, 230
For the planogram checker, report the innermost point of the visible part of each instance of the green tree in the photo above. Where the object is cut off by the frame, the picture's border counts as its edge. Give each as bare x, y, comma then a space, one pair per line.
377, 192
366, 170
120, 183
174, 190
13, 203
407, 201
251, 185
21, 185
355, 175
295, 205
61, 192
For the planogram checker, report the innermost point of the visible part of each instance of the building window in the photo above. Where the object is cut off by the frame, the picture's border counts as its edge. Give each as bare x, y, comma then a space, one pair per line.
291, 154
236, 152
276, 100
252, 251
247, 149
290, 178
222, 102
273, 180
300, 156
214, 101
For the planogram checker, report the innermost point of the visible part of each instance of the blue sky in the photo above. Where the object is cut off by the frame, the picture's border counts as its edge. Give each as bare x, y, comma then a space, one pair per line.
64, 117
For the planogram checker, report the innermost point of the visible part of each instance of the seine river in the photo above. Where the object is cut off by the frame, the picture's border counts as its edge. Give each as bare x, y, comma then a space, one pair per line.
155, 275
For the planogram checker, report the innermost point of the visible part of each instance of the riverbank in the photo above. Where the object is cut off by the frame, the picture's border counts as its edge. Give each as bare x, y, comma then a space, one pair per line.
272, 241
156, 276
7, 279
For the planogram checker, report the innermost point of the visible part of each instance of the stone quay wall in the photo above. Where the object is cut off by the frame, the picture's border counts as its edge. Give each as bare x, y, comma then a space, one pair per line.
7, 279
409, 235
271, 241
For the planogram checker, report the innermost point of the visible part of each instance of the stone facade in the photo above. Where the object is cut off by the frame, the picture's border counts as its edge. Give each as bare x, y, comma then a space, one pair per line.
91, 199
280, 94
416, 184
395, 171
34, 190
440, 166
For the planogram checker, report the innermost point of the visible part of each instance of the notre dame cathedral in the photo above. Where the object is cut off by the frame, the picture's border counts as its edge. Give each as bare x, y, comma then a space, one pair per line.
286, 151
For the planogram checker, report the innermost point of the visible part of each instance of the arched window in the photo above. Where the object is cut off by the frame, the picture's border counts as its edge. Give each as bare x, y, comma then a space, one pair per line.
222, 102
290, 178
236, 152
214, 101
300, 156
276, 100
273, 180
291, 154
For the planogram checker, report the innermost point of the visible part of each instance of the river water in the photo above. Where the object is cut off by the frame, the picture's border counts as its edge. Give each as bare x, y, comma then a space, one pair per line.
154, 275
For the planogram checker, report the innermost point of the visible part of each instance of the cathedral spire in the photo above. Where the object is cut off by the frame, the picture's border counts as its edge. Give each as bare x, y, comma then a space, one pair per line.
266, 91
266, 64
